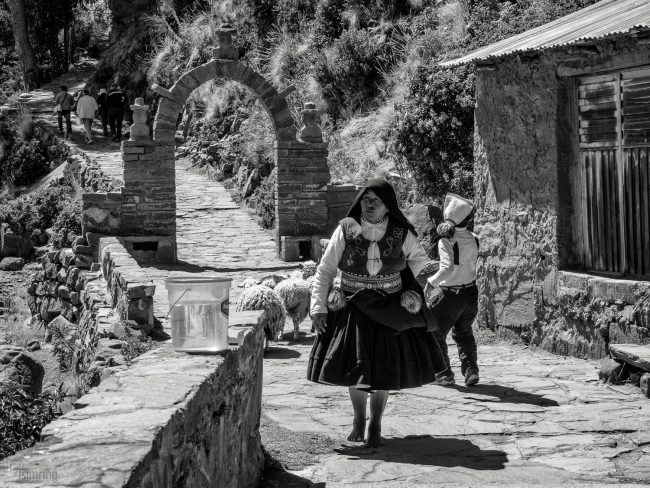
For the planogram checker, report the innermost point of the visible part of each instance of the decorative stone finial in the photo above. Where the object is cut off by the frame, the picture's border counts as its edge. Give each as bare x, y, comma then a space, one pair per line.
310, 130
139, 129
225, 49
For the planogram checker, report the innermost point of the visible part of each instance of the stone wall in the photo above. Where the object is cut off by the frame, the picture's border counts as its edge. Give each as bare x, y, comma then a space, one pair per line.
170, 420
523, 220
339, 199
68, 284
130, 292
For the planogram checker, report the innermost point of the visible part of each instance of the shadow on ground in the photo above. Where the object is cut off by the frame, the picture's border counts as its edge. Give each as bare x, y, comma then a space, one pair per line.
430, 451
506, 394
276, 352
283, 479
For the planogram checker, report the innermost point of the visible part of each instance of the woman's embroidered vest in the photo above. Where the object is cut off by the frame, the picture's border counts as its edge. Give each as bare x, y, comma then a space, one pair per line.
355, 257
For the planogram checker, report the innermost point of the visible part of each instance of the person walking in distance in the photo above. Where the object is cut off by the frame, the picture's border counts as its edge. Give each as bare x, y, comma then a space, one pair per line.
103, 109
64, 102
451, 292
86, 110
116, 101
373, 329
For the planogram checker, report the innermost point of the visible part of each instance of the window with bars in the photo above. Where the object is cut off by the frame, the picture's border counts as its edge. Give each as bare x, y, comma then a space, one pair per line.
614, 150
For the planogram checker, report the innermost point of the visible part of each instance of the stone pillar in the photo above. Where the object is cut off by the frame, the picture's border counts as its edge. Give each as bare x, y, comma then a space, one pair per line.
149, 194
301, 192
301, 198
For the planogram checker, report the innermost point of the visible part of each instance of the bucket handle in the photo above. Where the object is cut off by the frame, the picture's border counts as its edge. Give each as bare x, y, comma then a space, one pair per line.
179, 299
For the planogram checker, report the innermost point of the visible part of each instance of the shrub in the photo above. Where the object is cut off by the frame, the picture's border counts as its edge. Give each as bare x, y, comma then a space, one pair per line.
37, 210
328, 21
29, 150
293, 15
432, 136
26, 163
262, 202
349, 72
67, 221
492, 20
134, 345
22, 417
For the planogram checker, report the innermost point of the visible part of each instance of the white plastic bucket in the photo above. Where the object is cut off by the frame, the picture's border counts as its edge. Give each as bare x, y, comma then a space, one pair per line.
199, 313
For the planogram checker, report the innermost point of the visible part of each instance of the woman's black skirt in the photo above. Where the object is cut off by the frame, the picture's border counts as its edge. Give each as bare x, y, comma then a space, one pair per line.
357, 351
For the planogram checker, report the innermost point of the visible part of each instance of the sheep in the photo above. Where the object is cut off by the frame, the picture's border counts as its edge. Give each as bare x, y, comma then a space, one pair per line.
308, 269
261, 297
272, 280
295, 294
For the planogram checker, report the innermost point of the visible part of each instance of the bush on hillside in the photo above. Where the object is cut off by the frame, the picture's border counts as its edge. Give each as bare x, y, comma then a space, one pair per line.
349, 72
29, 151
432, 137
67, 221
328, 21
22, 417
492, 20
262, 202
37, 210
26, 163
293, 15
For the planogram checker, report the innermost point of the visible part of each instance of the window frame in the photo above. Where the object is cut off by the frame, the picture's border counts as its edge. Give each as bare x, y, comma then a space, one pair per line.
581, 196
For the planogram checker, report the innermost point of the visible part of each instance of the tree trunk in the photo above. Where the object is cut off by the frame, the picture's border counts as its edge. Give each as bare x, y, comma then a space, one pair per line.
70, 46
31, 70
66, 43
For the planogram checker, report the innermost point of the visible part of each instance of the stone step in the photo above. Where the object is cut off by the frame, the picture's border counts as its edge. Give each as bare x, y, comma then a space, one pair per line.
635, 354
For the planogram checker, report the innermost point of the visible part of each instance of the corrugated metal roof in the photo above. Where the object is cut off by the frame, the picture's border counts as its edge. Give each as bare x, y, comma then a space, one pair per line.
597, 21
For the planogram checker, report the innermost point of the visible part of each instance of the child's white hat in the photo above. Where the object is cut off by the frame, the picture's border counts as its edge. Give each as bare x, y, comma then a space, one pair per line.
457, 208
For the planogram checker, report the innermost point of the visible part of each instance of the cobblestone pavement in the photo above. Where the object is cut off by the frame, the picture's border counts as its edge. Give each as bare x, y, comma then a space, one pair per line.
214, 235
535, 419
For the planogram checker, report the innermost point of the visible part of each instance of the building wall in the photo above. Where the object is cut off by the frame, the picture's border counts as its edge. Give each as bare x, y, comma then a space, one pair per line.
525, 209
516, 191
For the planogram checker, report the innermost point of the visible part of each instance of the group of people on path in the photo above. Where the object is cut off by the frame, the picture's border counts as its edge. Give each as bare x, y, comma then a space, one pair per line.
377, 329
110, 107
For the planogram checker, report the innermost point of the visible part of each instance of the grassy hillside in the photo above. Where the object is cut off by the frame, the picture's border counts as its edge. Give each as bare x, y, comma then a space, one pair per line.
369, 65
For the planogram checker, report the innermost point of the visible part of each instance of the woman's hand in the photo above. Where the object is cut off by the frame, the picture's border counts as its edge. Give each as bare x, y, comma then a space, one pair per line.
411, 301
319, 321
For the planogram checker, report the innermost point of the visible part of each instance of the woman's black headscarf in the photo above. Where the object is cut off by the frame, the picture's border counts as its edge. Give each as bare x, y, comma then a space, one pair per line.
386, 193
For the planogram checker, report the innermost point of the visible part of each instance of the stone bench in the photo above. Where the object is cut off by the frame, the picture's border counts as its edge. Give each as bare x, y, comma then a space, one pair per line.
638, 356
634, 354
169, 420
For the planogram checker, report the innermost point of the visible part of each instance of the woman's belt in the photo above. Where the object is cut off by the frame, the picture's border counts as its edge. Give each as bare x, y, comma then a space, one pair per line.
458, 288
389, 283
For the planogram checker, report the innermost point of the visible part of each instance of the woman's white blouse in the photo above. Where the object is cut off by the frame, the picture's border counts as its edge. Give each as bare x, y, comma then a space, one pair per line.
327, 269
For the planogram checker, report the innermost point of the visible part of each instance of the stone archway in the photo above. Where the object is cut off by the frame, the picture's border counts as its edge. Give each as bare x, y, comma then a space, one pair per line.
143, 212
300, 156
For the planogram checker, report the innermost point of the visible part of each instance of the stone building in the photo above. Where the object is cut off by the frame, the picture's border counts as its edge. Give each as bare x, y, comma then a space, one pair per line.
562, 180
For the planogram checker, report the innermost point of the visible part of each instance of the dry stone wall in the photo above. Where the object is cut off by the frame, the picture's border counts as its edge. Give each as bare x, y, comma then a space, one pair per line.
522, 220
171, 420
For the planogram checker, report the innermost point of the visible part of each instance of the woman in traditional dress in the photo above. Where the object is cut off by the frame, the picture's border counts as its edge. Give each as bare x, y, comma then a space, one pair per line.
374, 335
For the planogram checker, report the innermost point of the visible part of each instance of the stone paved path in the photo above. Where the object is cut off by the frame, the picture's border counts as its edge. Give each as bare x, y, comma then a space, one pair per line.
214, 235
41, 103
535, 420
